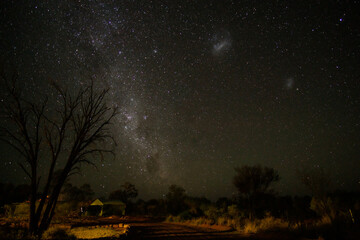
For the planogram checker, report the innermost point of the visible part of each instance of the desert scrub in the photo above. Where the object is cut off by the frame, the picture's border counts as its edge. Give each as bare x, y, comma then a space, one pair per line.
265, 224
222, 221
172, 218
202, 221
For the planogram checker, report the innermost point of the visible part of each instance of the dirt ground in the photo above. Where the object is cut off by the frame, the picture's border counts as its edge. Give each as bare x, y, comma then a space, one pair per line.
143, 228
151, 228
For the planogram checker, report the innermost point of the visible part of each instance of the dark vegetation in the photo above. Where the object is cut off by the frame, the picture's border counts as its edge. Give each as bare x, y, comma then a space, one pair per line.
11, 194
258, 208
255, 209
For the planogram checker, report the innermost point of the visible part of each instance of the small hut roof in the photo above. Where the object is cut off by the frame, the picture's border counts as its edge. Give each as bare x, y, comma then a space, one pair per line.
97, 202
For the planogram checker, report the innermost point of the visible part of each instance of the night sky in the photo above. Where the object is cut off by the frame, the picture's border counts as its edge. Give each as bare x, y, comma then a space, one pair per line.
202, 86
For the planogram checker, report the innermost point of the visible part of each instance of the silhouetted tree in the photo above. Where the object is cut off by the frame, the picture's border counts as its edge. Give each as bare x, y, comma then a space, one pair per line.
21, 193
175, 199
253, 181
130, 191
73, 193
127, 192
71, 129
87, 192
117, 195
315, 180
319, 184
5, 189
197, 205
155, 207
11, 194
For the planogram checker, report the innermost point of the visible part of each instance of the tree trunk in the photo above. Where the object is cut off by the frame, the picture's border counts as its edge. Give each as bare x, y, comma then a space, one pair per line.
50, 208
33, 222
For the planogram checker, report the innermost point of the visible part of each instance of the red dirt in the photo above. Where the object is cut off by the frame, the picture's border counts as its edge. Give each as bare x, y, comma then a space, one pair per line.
146, 228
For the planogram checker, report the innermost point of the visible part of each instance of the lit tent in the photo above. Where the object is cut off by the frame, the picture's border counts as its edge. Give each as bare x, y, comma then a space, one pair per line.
98, 208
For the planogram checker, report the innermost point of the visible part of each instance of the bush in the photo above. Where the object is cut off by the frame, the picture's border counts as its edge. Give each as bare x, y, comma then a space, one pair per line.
324, 207
212, 213
266, 224
234, 212
172, 218
185, 215
222, 221
202, 220
58, 233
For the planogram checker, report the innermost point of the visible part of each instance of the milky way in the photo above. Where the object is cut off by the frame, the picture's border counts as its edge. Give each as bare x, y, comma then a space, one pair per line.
202, 87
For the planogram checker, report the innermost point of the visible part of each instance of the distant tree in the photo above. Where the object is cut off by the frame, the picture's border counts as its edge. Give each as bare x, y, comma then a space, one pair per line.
21, 193
155, 207
223, 202
73, 193
319, 184
254, 181
315, 180
128, 191
5, 190
117, 195
11, 194
67, 132
175, 199
87, 192
197, 205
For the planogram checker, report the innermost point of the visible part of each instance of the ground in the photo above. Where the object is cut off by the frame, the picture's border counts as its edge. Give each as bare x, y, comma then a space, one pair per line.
134, 228
149, 228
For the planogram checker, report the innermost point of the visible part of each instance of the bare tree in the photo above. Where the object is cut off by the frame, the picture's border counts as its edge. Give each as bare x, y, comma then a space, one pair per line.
69, 132
253, 181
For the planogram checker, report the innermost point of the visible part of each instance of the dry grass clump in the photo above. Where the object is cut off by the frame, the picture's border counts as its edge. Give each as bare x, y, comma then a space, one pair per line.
94, 233
201, 221
266, 224
235, 221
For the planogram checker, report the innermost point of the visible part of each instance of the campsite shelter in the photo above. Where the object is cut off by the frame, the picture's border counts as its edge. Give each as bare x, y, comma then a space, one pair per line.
99, 208
17, 209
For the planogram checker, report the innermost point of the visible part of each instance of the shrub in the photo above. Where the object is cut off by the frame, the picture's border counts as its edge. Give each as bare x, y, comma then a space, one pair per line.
324, 207
172, 218
222, 220
271, 223
212, 213
234, 211
203, 220
249, 227
265, 224
185, 215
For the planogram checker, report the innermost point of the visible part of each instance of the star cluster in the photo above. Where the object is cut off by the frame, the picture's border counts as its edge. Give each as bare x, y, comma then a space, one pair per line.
202, 86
